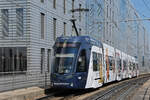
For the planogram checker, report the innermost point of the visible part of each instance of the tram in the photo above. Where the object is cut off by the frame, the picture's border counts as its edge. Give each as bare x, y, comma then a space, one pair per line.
81, 62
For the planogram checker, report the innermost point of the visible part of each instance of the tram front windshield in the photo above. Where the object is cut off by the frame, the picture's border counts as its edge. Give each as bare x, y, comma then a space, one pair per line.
64, 58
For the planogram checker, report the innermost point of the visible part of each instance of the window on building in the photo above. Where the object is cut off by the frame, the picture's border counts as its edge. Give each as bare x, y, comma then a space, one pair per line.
73, 4
113, 16
13, 59
22, 59
54, 28
110, 28
107, 28
73, 30
110, 14
54, 4
5, 22
80, 30
42, 59
42, 25
80, 12
1, 60
64, 6
19, 21
107, 11
64, 29
48, 59
81, 64
42, 1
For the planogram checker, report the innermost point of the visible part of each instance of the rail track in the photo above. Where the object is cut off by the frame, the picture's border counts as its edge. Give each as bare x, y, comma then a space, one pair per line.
62, 94
122, 91
112, 91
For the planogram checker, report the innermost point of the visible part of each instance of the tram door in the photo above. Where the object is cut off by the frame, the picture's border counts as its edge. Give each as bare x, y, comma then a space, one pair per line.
97, 67
111, 66
81, 69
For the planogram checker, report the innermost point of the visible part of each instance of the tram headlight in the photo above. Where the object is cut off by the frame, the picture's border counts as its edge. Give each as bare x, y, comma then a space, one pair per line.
71, 84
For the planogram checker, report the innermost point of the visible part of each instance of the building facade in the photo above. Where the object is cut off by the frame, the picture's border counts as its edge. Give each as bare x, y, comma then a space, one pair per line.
28, 29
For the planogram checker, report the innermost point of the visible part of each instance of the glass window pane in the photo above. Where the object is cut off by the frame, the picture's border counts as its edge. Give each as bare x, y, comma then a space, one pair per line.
42, 59
19, 21
11, 50
1, 64
54, 3
81, 64
110, 62
13, 59
95, 62
48, 59
54, 28
42, 25
22, 59
5, 22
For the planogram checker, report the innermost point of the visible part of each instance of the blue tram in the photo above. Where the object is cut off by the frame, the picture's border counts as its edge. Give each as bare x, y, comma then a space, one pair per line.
82, 62
71, 64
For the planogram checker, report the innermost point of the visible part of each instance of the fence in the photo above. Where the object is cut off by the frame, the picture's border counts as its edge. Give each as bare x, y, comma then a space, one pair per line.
12, 81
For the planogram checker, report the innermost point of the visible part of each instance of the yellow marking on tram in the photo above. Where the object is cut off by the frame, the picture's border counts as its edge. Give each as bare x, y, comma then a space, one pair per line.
107, 62
101, 72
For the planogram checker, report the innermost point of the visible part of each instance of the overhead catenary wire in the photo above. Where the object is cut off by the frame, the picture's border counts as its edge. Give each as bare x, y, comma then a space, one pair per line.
146, 4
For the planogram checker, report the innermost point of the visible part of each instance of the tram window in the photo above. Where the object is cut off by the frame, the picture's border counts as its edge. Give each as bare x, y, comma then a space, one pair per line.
130, 65
81, 64
125, 65
110, 63
133, 66
113, 64
94, 61
106, 64
97, 60
137, 67
119, 63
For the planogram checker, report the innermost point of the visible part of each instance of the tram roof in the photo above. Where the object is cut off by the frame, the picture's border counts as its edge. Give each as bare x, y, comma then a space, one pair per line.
79, 39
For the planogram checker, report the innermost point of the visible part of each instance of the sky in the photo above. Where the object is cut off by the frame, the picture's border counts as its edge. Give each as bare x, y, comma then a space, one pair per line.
143, 9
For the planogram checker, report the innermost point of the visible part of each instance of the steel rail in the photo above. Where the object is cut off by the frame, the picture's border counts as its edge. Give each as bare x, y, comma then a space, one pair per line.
131, 88
108, 93
125, 86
